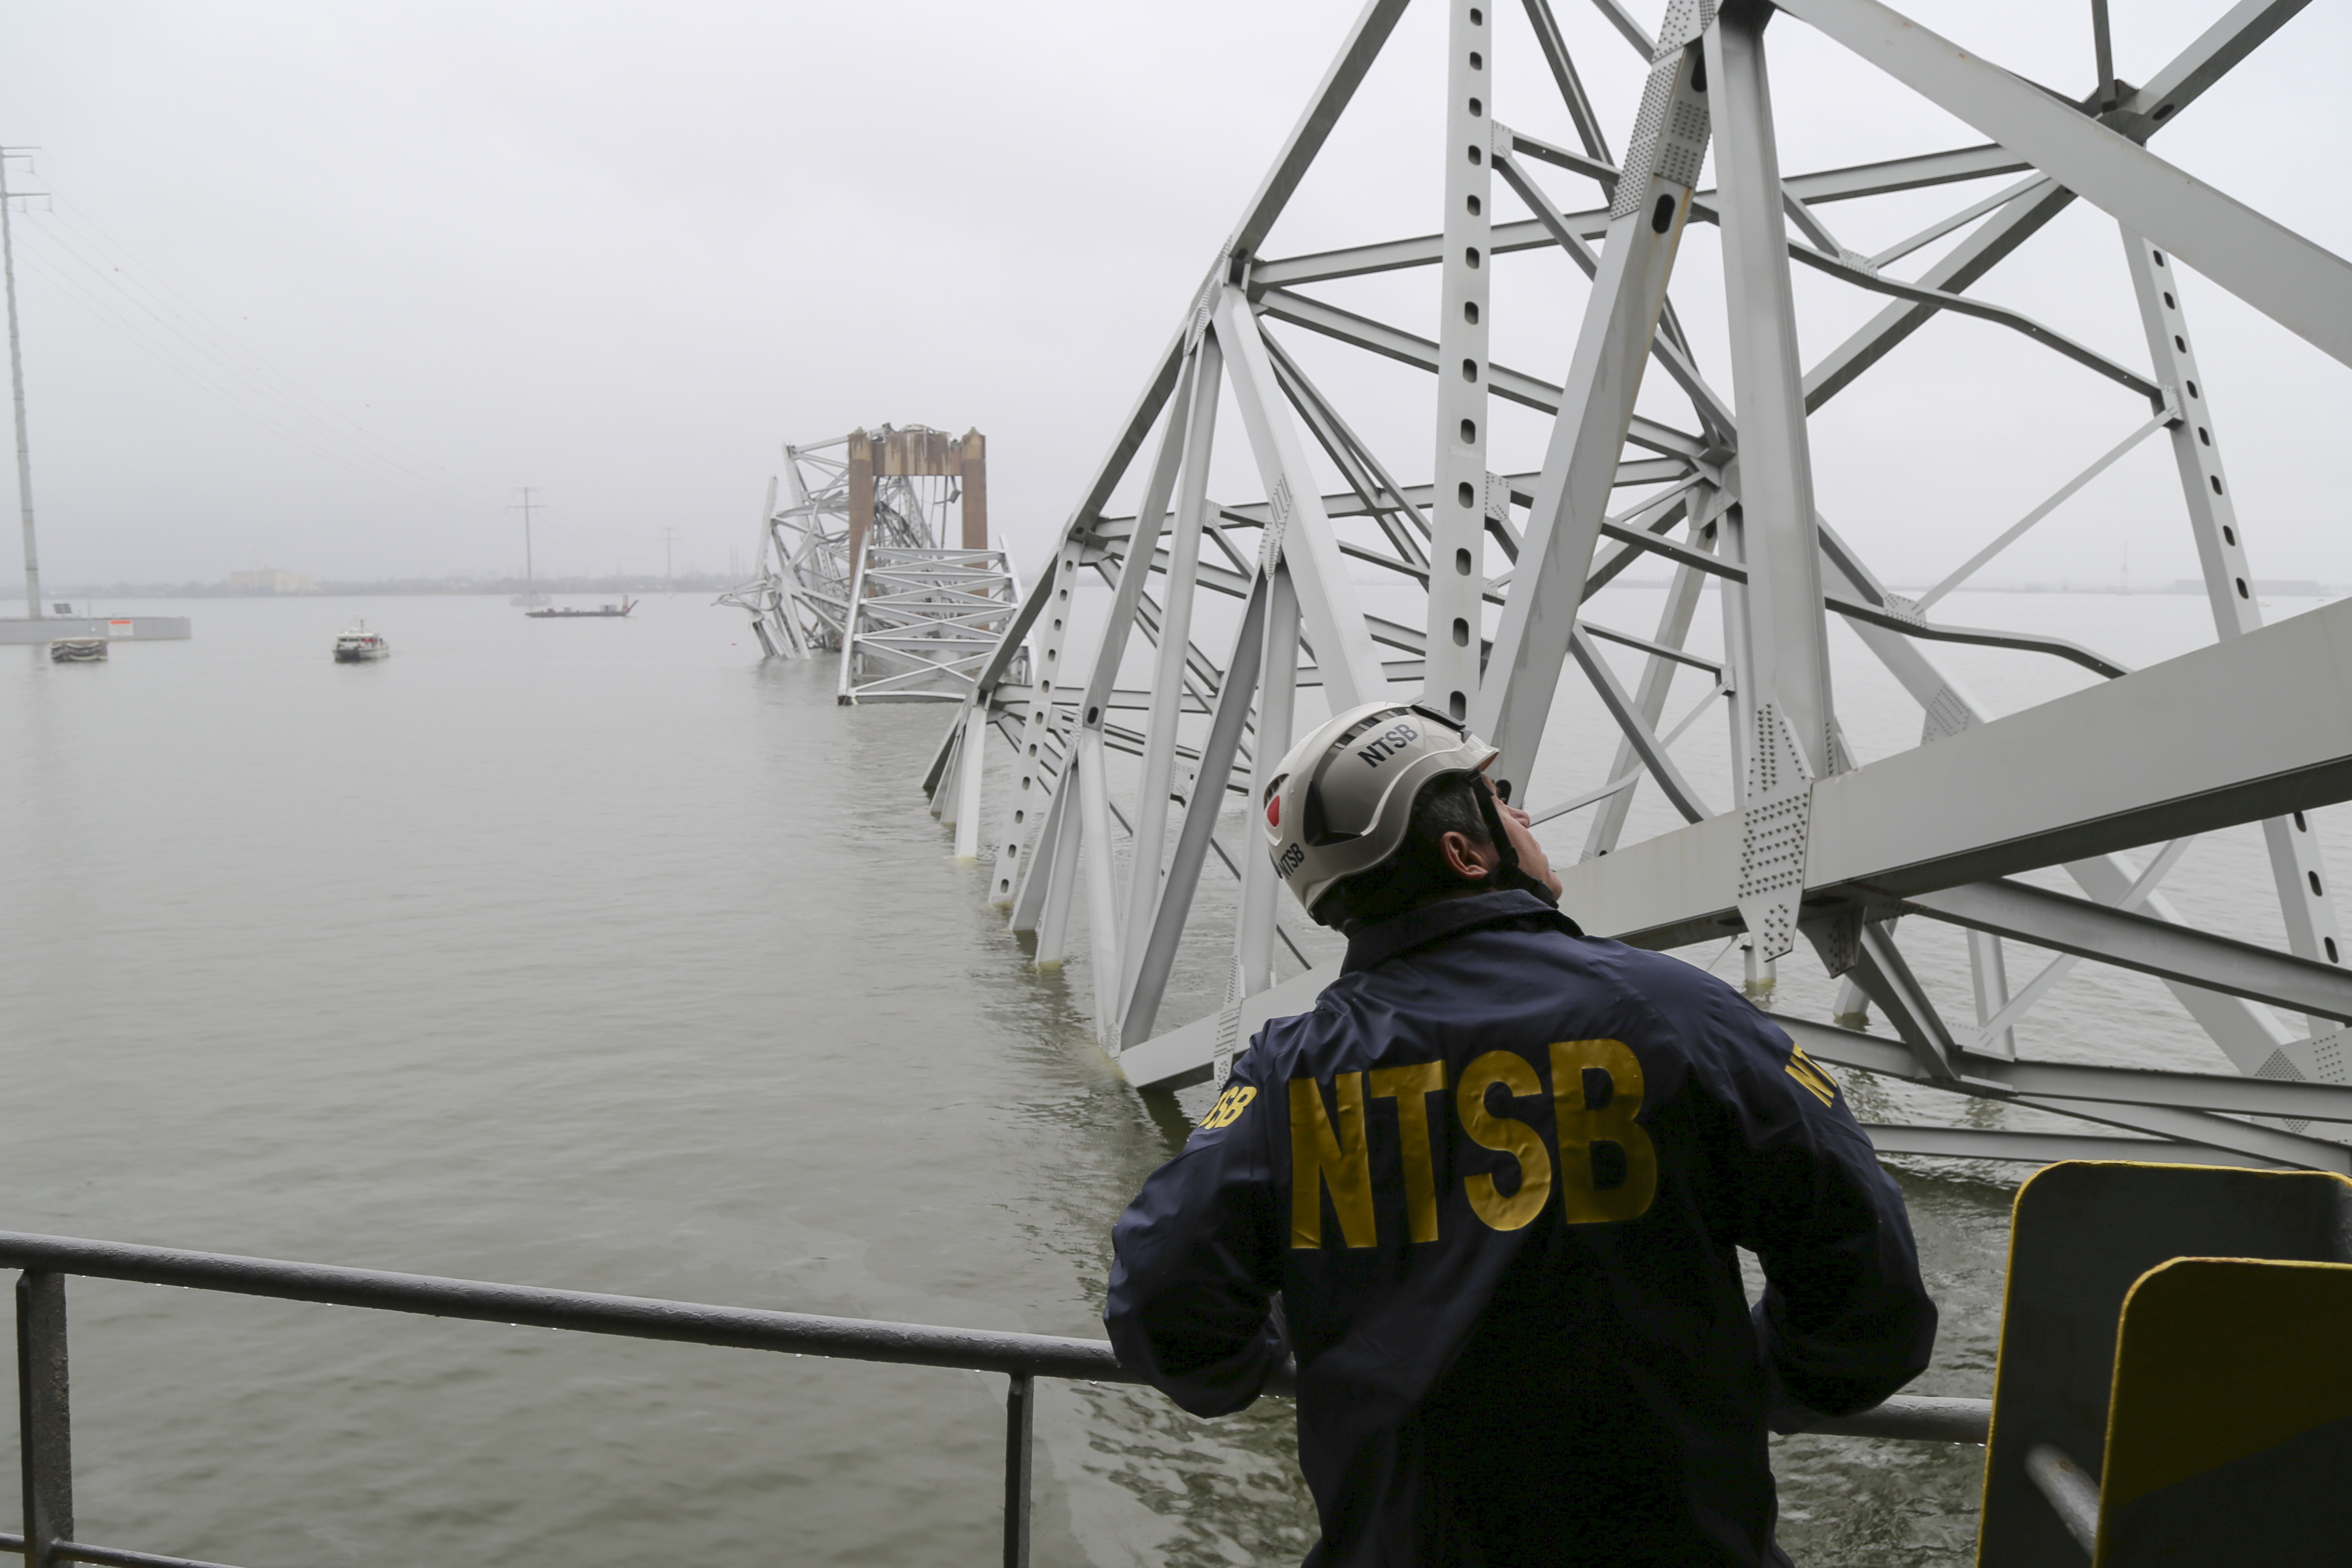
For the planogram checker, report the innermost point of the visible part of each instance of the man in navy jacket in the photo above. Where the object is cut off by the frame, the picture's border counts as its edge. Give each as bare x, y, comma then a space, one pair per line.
1497, 1180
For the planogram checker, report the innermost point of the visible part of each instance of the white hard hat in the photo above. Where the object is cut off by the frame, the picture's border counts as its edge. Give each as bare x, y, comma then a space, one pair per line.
1342, 798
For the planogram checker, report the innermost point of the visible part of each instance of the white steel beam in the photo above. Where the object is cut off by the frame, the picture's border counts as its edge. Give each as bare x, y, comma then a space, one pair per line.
1787, 638
1457, 517
2242, 1033
1102, 891
2174, 89
1554, 48
1169, 677
1713, 412
2240, 31
1047, 609
2111, 775
2138, 941
2150, 1104
1298, 533
1604, 376
1636, 729
1193, 839
2296, 866
1332, 94
1650, 695
971, 755
2071, 783
2296, 283
1277, 686
1517, 387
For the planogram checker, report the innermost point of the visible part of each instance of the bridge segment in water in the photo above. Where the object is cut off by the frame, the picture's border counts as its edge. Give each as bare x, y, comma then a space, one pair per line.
1792, 842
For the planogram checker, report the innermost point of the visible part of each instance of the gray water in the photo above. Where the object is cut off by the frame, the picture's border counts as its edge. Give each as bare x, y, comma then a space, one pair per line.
605, 956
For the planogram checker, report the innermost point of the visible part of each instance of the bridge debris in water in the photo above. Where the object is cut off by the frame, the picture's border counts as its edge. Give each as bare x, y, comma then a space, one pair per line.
859, 563
1778, 832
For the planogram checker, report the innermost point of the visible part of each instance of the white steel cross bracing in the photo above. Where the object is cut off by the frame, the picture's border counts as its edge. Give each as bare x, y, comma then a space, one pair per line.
1137, 759
861, 563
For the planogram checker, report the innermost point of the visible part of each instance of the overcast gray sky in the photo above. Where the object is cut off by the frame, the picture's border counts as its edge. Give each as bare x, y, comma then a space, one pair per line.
324, 282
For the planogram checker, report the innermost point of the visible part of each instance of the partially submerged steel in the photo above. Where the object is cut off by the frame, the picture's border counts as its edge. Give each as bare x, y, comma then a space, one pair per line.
1796, 841
859, 563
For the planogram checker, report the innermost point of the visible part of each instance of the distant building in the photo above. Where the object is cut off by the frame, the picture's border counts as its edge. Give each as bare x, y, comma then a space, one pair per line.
271, 581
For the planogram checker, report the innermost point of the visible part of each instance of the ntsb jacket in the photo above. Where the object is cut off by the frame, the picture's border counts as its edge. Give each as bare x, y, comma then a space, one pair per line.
1498, 1177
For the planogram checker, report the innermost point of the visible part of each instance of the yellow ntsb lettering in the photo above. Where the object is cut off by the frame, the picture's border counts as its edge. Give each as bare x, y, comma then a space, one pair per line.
1409, 1087
1229, 1107
1504, 1136
1322, 1153
1808, 1072
1608, 1168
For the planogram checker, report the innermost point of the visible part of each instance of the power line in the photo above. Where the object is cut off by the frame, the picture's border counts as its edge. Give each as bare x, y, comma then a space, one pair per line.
76, 217
16, 385
387, 469
261, 392
129, 330
258, 386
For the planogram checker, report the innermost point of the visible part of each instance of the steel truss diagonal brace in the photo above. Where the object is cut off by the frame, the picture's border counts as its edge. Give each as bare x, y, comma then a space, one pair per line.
2123, 781
1880, 967
1713, 412
1596, 407
2277, 271
1636, 728
2160, 1103
1812, 844
1201, 812
2211, 502
1788, 648
1332, 95
2139, 941
1167, 681
1298, 533
2170, 92
2242, 1031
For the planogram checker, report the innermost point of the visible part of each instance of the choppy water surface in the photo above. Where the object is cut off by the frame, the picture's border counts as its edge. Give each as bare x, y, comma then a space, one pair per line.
603, 955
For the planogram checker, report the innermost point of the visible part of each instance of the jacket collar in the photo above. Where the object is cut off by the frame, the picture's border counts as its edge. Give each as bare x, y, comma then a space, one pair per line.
1375, 945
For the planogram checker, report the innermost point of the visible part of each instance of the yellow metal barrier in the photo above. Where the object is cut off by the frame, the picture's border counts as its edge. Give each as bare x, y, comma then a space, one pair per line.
2174, 1383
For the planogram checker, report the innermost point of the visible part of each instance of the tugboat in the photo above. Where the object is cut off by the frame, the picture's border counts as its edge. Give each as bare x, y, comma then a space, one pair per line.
359, 644
565, 613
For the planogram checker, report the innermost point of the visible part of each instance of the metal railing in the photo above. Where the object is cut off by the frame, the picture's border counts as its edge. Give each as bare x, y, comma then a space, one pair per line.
45, 1424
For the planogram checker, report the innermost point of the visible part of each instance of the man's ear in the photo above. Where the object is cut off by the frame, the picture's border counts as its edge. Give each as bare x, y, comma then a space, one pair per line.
1462, 858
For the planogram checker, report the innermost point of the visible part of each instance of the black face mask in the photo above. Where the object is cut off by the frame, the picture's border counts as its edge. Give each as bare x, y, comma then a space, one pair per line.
1506, 869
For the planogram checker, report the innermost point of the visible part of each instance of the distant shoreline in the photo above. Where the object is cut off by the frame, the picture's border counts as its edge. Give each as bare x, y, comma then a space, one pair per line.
684, 582
719, 583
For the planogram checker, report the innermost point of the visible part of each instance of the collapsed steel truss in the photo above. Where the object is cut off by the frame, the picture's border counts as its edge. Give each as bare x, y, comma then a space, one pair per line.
1809, 845
859, 564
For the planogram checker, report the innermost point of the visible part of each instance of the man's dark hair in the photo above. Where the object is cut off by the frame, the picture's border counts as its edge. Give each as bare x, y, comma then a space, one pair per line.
1417, 872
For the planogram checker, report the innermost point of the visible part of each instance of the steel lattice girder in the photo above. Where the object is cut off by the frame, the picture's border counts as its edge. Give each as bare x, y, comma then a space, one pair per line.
1808, 844
807, 554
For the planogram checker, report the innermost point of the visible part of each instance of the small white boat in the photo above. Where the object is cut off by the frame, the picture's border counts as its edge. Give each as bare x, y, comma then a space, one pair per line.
78, 650
359, 644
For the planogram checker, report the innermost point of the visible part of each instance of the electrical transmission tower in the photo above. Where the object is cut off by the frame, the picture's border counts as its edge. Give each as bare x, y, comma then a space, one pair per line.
33, 607
530, 597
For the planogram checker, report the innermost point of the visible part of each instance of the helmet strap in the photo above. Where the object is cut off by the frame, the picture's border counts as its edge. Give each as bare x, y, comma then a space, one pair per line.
1507, 872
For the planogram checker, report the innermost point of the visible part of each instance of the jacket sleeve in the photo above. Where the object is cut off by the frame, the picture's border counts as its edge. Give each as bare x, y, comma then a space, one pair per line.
1196, 1262
1844, 1320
